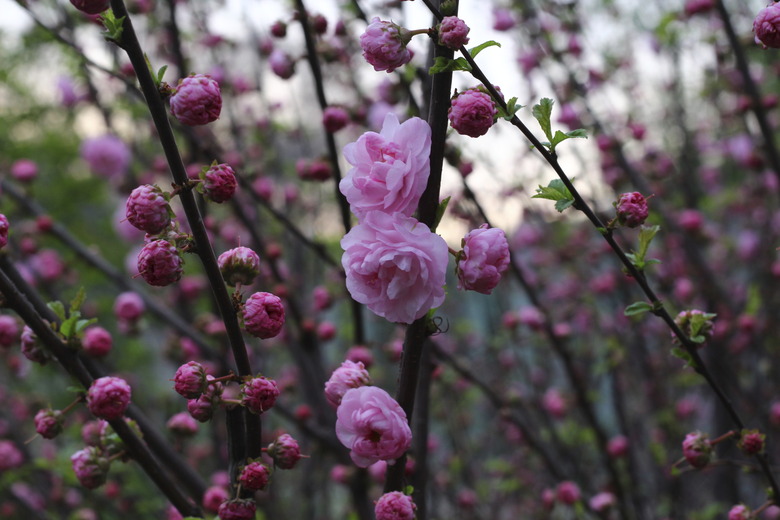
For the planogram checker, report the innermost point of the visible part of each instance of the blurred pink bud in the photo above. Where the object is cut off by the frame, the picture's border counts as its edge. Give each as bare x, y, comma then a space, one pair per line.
197, 100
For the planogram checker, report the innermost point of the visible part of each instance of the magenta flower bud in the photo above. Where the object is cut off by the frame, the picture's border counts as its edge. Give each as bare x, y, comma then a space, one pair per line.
31, 347
472, 112
349, 375
631, 209
129, 306
254, 476
214, 497
384, 45
239, 266
453, 32
108, 397
182, 424
90, 6
219, 183
97, 341
24, 170
752, 442
395, 506
10, 456
281, 64
4, 227
322, 298
159, 263
237, 509
766, 26
48, 423
334, 119
90, 467
697, 449
740, 512
107, 156
148, 209
617, 446
197, 100
263, 315
568, 492
279, 29
190, 380
319, 23
9, 331
693, 7
372, 425
259, 394
202, 409
285, 451
484, 258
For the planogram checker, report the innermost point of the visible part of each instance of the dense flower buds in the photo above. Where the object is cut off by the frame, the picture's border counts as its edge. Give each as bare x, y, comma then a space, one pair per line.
91, 467
90, 6
395, 266
484, 259
384, 45
190, 380
237, 509
108, 397
254, 476
239, 266
48, 423
766, 26
472, 112
219, 183
349, 375
147, 209
697, 449
395, 506
453, 32
285, 451
159, 263
4, 226
263, 315
259, 394
197, 100
372, 425
631, 209
390, 169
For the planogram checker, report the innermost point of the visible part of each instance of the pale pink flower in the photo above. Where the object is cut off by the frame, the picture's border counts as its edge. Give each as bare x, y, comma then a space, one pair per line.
372, 425
484, 259
107, 156
740, 512
766, 26
395, 266
384, 45
395, 506
390, 169
348, 376
453, 32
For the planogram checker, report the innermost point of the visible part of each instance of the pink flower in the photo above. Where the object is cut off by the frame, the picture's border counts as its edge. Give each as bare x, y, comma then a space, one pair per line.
263, 315
285, 451
472, 112
602, 501
484, 259
182, 424
10, 456
617, 446
31, 347
239, 265
190, 380
395, 266
568, 492
766, 26
752, 442
740, 512
108, 397
4, 226
97, 341
197, 100
219, 183
159, 263
348, 376
106, 156
90, 6
259, 394
372, 425
502, 19
254, 476
90, 467
9, 330
202, 408
334, 119
213, 498
129, 306
390, 169
631, 209
384, 45
453, 32
48, 423
24, 170
281, 64
395, 506
237, 509
697, 449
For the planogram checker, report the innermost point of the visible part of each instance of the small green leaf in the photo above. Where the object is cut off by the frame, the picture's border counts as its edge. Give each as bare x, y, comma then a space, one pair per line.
161, 73
637, 308
83, 324
697, 339
440, 212
684, 355
512, 108
443, 64
68, 327
482, 46
646, 235
542, 113
58, 308
563, 204
559, 137
113, 26
556, 191
78, 300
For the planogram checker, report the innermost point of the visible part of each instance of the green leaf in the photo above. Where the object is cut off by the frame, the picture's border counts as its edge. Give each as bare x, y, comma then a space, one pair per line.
637, 308
684, 355
556, 191
482, 46
512, 108
161, 73
559, 137
78, 300
68, 327
443, 64
58, 308
113, 26
440, 210
83, 324
563, 204
646, 235
542, 113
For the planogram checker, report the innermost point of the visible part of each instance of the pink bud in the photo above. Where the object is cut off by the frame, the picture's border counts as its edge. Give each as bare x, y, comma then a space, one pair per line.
190, 380
568, 492
159, 263
9, 330
90, 466
108, 397
90, 6
48, 423
472, 112
751, 442
254, 476
384, 45
213, 498
484, 258
197, 100
4, 226
182, 424
395, 506
147, 209
334, 119
239, 266
97, 341
349, 375
697, 449
24, 170
740, 512
631, 209
766, 26
285, 452
237, 509
263, 315
259, 394
219, 183
453, 32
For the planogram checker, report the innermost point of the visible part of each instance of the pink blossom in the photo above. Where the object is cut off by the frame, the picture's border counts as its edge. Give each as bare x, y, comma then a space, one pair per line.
4, 226
631, 209
254, 476
107, 156
766, 26
90, 466
197, 100
159, 263
384, 45
472, 112
697, 449
334, 118
348, 376
390, 169
237, 509
239, 265
259, 394
24, 170
219, 183
502, 19
190, 380
395, 506
372, 425
568, 492
129, 306
90, 6
9, 330
484, 259
48, 423
108, 397
97, 341
281, 64
453, 32
285, 451
182, 424
213, 498
10, 456
740, 512
395, 266
263, 315
602, 501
